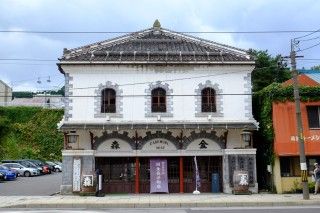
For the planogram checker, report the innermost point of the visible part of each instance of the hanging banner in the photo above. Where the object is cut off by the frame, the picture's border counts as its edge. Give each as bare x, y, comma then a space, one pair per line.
158, 175
197, 176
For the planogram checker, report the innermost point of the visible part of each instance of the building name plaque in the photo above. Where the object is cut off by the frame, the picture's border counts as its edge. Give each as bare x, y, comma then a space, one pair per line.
76, 175
159, 144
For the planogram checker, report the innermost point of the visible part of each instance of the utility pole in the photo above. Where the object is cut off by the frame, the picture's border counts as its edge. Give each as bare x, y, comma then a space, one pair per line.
303, 164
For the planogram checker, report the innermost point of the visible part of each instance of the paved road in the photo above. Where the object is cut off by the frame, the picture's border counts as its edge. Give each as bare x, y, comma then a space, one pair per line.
30, 186
291, 209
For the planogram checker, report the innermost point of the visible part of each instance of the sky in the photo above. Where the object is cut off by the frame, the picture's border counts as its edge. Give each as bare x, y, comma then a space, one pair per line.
130, 16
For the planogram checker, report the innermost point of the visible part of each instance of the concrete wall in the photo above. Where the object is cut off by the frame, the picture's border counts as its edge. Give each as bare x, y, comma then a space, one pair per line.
85, 80
285, 184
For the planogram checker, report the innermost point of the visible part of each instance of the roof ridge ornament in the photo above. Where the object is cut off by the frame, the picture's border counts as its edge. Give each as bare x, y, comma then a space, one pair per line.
156, 24
156, 27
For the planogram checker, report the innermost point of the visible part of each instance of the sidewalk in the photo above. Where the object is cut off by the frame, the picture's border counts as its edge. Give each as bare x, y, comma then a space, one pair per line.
156, 200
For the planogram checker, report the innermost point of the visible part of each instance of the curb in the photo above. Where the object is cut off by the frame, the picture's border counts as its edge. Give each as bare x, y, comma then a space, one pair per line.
160, 205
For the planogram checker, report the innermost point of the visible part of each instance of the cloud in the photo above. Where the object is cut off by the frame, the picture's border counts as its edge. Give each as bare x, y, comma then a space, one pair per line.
26, 87
126, 15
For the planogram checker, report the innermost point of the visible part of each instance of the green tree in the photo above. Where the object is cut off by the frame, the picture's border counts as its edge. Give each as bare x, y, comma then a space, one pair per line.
22, 94
316, 67
268, 70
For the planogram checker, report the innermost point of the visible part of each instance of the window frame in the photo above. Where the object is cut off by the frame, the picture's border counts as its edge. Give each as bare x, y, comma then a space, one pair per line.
289, 166
313, 118
206, 93
108, 95
160, 105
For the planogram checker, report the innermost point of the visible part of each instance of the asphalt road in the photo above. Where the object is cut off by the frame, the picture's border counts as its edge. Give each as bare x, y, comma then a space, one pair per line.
291, 209
30, 186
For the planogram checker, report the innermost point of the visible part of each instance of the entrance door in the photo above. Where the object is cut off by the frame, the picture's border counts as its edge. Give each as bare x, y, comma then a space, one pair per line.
144, 175
207, 166
173, 175
119, 174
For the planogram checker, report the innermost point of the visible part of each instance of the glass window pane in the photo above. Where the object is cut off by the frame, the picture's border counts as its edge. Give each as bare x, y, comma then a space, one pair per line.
313, 116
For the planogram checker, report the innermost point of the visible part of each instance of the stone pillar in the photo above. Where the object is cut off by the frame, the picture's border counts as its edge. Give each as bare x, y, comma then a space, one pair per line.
226, 176
87, 168
277, 175
66, 186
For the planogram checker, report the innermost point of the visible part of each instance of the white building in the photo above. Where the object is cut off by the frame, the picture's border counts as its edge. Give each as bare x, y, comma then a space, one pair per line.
157, 94
5, 94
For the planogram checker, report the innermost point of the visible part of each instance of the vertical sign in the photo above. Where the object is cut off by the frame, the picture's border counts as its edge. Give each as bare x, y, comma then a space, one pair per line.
198, 180
158, 175
76, 175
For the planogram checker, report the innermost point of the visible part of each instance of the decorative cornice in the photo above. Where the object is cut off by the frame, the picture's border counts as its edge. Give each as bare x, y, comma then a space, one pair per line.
220, 140
114, 135
159, 134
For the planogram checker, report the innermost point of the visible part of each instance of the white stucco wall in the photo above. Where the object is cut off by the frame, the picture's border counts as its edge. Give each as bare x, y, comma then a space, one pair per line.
85, 80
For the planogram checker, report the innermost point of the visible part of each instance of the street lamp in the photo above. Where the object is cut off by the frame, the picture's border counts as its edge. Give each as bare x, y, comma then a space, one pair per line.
246, 136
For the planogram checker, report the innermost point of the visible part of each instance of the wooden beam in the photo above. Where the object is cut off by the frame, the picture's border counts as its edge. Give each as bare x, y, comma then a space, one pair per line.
137, 177
181, 179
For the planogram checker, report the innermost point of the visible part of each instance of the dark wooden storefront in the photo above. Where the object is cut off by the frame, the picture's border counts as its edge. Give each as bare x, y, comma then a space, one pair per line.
119, 173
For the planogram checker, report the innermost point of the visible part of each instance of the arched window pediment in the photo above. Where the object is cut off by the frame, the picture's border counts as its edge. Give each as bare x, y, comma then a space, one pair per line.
108, 101
209, 100
159, 100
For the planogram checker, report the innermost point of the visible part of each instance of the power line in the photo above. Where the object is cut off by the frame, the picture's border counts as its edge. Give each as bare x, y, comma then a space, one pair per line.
309, 47
308, 59
313, 32
26, 59
39, 59
27, 64
133, 96
190, 32
310, 39
170, 80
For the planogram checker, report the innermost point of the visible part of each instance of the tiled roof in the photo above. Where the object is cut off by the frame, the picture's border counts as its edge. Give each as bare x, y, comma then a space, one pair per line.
313, 74
303, 80
156, 45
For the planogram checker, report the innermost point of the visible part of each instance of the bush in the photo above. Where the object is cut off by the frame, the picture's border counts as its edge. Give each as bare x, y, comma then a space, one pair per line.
30, 132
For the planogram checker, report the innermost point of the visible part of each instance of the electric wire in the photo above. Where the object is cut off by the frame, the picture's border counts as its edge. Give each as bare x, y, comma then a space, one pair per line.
176, 79
310, 47
310, 39
26, 59
297, 38
190, 32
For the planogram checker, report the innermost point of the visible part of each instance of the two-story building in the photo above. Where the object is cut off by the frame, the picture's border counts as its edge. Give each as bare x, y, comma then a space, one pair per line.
286, 170
157, 94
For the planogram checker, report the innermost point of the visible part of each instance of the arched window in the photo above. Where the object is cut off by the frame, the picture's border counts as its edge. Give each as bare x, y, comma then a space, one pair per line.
208, 100
158, 100
108, 101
